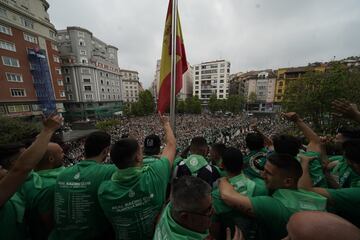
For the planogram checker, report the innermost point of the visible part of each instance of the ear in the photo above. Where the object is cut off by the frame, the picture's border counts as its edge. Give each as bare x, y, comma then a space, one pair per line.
288, 182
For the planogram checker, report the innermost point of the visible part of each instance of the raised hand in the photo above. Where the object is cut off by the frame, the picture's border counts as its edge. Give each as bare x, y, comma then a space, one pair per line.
291, 116
237, 234
164, 119
343, 108
53, 122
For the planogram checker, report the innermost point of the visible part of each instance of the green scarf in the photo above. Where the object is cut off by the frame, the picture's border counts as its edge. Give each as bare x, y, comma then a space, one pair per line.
167, 228
195, 162
128, 176
48, 173
300, 200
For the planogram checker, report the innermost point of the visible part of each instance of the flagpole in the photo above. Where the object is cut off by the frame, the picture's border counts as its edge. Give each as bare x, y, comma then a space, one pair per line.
173, 63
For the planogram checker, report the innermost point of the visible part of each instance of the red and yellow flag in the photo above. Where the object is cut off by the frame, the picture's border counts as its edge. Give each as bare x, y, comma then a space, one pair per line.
165, 65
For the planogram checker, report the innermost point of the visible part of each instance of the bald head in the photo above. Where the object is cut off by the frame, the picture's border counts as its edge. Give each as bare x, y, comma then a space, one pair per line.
53, 157
320, 226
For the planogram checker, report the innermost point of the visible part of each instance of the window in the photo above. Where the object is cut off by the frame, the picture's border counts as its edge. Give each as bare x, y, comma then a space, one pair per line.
30, 38
36, 107
54, 47
102, 81
82, 52
85, 70
5, 30
87, 88
68, 88
17, 92
9, 61
52, 34
62, 93
27, 23
66, 70
86, 80
3, 12
56, 59
84, 60
280, 84
69, 97
81, 34
88, 96
14, 77
221, 96
68, 80
58, 71
7, 46
60, 82
102, 89
81, 42
280, 91
18, 108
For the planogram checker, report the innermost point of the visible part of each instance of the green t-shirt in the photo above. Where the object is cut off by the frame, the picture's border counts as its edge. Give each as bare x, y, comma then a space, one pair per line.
315, 169
343, 174
346, 203
133, 198
168, 229
273, 212
76, 209
38, 194
12, 226
252, 160
150, 159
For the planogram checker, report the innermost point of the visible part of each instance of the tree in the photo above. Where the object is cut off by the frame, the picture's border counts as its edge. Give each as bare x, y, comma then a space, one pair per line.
235, 103
16, 130
213, 104
311, 96
180, 106
193, 105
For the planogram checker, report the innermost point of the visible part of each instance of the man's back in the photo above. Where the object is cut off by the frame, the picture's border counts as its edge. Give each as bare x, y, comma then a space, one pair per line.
77, 211
133, 198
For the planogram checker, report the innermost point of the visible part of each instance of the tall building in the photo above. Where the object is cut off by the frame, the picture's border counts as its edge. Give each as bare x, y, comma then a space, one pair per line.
211, 78
131, 87
91, 73
237, 84
30, 72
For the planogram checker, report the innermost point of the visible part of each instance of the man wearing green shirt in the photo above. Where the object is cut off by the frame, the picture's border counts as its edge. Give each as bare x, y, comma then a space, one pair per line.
38, 192
188, 215
225, 216
255, 160
344, 201
11, 205
281, 175
77, 211
152, 145
133, 198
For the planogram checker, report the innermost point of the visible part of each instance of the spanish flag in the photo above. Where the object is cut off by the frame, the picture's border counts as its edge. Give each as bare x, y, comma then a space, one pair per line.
165, 65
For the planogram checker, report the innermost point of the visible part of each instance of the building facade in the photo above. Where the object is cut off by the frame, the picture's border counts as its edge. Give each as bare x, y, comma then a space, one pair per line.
285, 75
131, 87
30, 71
92, 77
211, 78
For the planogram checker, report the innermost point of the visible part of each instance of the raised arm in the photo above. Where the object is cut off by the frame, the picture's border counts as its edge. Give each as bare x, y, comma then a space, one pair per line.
235, 199
28, 160
313, 138
170, 149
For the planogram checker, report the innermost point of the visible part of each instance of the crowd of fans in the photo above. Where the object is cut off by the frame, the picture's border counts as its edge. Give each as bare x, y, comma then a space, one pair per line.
218, 178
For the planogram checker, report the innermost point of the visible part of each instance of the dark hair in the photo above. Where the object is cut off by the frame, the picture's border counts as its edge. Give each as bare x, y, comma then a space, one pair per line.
198, 144
352, 150
219, 148
349, 133
254, 141
95, 143
286, 144
152, 145
123, 152
232, 159
287, 163
187, 193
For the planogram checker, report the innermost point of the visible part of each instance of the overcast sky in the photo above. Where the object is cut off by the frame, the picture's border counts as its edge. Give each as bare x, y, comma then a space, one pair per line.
251, 34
